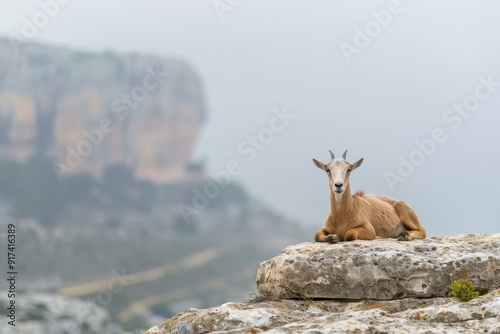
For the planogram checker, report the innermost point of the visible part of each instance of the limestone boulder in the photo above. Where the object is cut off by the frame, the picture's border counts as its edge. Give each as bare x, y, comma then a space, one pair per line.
381, 269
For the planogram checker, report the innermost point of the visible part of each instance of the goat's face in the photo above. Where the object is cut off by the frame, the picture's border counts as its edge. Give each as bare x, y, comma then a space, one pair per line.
338, 171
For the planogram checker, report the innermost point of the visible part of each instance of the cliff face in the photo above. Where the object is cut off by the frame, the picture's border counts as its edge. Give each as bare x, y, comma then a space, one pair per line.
86, 111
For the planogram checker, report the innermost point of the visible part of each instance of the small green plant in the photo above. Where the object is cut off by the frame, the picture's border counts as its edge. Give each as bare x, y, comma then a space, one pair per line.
463, 290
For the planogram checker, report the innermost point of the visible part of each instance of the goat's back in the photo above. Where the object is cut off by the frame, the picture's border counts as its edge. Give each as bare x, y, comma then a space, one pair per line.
383, 216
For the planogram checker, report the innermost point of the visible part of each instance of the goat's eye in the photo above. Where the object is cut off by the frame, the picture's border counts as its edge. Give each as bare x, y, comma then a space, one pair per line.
349, 170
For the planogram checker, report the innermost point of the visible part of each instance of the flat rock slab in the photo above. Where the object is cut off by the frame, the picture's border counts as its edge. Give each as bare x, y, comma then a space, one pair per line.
381, 269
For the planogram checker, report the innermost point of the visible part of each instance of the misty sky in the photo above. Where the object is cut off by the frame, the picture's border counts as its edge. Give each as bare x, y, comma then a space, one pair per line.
398, 87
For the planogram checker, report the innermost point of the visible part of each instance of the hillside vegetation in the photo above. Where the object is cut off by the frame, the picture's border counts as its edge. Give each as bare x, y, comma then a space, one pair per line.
79, 234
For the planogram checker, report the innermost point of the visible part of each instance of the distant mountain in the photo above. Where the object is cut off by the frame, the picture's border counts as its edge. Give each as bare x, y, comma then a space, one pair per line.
78, 236
118, 130
85, 112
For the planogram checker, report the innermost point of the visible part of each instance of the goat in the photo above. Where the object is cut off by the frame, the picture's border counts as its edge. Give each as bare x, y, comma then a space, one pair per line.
362, 216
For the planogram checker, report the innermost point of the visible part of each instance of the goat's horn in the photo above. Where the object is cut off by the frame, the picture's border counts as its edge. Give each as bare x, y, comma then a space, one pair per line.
344, 155
332, 155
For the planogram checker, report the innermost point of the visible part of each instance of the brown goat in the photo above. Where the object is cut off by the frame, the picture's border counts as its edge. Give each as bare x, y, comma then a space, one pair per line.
363, 216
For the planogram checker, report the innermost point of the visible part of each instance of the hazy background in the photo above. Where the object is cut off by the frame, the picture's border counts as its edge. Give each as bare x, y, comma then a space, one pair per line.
262, 55
269, 54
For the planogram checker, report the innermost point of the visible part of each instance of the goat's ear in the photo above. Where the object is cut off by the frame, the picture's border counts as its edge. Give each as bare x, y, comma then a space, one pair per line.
356, 164
320, 165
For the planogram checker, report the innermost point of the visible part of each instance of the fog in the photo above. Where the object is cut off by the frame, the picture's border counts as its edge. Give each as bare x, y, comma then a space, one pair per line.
413, 87
259, 55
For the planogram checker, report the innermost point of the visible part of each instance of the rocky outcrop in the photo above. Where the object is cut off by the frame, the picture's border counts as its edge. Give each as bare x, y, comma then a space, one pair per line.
88, 111
379, 286
47, 313
436, 315
382, 269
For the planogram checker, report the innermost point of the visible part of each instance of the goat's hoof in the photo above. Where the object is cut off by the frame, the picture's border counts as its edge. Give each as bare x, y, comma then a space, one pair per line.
332, 238
404, 236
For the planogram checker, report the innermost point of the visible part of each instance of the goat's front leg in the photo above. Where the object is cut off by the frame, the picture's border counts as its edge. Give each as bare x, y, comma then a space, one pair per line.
324, 236
365, 232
